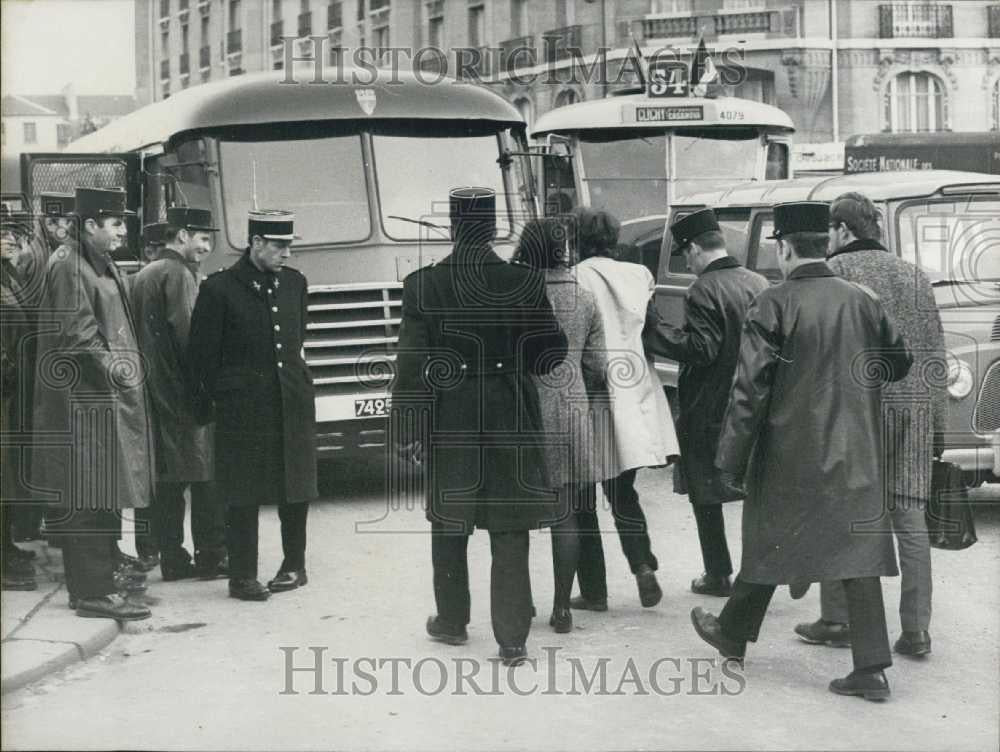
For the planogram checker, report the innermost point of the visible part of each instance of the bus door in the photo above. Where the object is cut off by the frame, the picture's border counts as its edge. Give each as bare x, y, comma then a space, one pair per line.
65, 172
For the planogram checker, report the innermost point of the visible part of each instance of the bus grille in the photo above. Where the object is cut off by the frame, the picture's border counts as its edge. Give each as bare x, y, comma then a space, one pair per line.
986, 417
995, 334
351, 337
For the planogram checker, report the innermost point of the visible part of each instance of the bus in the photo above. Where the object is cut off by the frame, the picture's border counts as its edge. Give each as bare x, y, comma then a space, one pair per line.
366, 165
631, 154
893, 152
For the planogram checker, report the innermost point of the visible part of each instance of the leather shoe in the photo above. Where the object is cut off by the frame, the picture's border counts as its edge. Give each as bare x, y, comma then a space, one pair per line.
820, 632
442, 632
210, 567
916, 644
561, 620
126, 584
513, 656
649, 589
178, 570
798, 590
248, 590
871, 686
708, 628
112, 606
712, 584
581, 603
287, 581
127, 572
148, 563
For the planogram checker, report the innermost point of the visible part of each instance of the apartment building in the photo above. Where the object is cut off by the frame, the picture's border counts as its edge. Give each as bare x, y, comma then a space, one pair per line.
836, 66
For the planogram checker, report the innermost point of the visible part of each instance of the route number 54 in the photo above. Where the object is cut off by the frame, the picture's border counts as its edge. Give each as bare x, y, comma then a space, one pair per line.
668, 78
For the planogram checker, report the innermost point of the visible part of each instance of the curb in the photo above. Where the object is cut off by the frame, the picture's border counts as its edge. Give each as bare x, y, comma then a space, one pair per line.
43, 649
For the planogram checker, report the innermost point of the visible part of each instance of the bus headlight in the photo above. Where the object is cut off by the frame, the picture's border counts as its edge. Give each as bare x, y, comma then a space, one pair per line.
960, 380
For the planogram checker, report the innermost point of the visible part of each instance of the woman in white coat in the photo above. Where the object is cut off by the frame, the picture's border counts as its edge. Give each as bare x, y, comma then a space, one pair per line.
638, 429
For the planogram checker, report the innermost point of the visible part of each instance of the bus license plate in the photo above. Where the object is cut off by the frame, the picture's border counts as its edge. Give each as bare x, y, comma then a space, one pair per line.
375, 407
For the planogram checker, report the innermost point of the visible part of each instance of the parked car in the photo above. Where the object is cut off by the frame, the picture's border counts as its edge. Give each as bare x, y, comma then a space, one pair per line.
946, 222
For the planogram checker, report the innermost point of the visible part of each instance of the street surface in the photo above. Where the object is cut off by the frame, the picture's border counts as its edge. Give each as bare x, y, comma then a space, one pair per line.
209, 672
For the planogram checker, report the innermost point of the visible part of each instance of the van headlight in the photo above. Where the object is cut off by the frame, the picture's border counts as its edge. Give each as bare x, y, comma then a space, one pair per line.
960, 379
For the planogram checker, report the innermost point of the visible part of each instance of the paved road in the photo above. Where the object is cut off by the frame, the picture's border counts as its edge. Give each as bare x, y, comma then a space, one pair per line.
208, 672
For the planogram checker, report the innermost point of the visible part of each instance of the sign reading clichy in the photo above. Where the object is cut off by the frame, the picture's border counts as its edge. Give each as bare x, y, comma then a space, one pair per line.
669, 114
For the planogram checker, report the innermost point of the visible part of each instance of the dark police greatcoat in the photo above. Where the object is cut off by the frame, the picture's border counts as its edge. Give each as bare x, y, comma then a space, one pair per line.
707, 348
163, 297
246, 355
806, 402
475, 329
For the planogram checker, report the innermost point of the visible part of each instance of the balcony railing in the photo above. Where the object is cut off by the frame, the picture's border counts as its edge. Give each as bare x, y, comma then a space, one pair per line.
234, 41
517, 53
205, 57
993, 21
557, 43
746, 23
335, 16
669, 28
305, 24
926, 20
164, 69
277, 29
185, 64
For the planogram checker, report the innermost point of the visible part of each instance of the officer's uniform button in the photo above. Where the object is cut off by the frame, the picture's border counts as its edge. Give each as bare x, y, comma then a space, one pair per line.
499, 365
277, 328
464, 366
278, 345
280, 364
274, 309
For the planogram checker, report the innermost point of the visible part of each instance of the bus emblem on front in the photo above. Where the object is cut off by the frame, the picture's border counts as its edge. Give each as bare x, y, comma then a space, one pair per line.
366, 99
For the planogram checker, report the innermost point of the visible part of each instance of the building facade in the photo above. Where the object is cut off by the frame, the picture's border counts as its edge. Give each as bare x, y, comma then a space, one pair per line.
49, 122
838, 67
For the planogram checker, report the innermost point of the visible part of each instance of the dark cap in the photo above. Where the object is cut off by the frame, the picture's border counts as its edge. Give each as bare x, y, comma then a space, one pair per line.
101, 202
473, 213
190, 219
688, 228
155, 234
800, 216
271, 224
57, 204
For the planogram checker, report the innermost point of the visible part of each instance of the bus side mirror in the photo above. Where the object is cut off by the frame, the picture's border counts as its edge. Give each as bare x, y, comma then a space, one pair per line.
558, 146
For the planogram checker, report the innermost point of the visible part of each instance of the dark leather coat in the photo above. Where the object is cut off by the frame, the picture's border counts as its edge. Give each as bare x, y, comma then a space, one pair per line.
246, 354
707, 348
475, 329
804, 424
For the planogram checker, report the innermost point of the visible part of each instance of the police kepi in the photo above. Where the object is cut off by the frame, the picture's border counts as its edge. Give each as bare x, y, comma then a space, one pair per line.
473, 214
688, 228
800, 216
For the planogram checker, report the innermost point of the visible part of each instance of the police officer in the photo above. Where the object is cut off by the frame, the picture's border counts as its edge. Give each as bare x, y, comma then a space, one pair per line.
163, 294
153, 240
706, 346
803, 426
247, 358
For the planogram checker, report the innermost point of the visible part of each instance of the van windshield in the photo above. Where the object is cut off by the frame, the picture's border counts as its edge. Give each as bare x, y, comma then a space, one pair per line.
416, 172
955, 242
321, 180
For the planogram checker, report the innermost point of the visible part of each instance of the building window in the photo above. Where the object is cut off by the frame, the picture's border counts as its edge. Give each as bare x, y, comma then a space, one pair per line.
235, 15
336, 43
915, 102
380, 38
477, 25
671, 7
184, 38
30, 133
166, 89
277, 58
564, 13
204, 32
743, 5
275, 10
164, 43
518, 18
996, 105
435, 23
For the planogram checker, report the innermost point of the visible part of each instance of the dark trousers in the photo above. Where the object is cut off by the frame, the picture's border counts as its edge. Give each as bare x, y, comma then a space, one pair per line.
712, 537
744, 612
146, 534
89, 542
510, 582
632, 532
566, 540
242, 534
208, 521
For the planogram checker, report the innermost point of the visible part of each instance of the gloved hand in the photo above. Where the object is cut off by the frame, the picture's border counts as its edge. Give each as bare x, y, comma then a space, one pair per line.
729, 486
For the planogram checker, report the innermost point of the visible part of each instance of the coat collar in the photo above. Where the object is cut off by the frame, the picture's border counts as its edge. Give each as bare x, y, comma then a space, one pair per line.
100, 261
257, 281
169, 254
811, 270
862, 244
726, 262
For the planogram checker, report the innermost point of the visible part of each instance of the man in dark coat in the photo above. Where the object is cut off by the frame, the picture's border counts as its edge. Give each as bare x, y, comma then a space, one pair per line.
163, 294
707, 347
803, 424
475, 329
915, 409
91, 403
246, 352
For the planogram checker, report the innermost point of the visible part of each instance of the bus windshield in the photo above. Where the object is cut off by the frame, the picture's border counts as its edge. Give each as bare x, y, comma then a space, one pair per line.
627, 175
416, 172
321, 180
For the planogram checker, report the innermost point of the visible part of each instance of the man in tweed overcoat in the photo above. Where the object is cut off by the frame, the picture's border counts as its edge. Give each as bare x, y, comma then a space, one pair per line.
914, 415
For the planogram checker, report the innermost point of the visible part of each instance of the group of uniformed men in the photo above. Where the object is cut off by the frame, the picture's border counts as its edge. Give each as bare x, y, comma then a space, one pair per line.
131, 391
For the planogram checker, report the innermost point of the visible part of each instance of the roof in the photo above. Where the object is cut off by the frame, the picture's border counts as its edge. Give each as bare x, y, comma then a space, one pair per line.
878, 186
98, 105
621, 112
263, 98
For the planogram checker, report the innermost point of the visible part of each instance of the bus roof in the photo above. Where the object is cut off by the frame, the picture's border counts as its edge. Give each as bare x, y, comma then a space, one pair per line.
878, 186
261, 98
945, 138
643, 111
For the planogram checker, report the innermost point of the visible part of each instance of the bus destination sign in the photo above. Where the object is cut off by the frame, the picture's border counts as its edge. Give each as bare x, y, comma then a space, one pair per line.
667, 114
